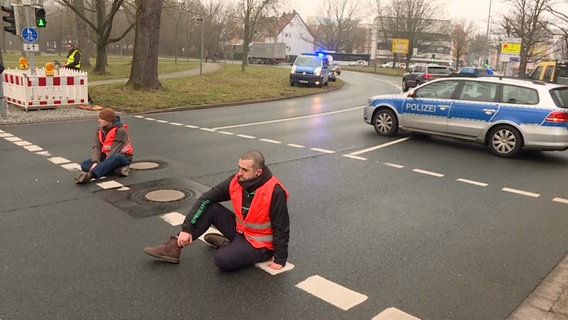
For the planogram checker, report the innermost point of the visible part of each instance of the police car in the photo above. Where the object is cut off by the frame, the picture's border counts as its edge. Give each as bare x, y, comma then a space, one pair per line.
507, 115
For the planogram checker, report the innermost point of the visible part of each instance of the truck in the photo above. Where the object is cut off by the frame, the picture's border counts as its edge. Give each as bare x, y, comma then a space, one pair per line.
553, 71
267, 53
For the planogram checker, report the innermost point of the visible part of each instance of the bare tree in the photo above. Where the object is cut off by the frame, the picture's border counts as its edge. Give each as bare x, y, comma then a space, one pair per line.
102, 28
406, 19
462, 40
251, 12
337, 29
561, 24
144, 71
528, 22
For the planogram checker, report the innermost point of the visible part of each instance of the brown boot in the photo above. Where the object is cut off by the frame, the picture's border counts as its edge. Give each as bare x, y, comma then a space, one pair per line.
169, 251
216, 240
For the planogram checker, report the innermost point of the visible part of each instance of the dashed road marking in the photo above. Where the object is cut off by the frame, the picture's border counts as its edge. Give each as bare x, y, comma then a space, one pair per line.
173, 218
295, 145
207, 129
270, 141
331, 292
561, 200
322, 150
354, 157
394, 314
476, 183
430, 173
246, 136
521, 192
58, 160
394, 165
110, 184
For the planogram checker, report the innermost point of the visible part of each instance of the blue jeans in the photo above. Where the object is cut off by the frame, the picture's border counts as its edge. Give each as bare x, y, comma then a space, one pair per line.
106, 166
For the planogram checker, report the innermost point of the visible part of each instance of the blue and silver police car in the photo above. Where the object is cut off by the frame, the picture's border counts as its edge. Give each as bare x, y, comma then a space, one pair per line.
507, 115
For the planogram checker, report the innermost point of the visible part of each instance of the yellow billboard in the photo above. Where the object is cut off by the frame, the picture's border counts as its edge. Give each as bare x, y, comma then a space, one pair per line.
400, 46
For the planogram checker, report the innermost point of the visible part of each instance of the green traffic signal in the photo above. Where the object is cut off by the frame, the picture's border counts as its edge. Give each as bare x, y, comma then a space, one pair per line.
40, 17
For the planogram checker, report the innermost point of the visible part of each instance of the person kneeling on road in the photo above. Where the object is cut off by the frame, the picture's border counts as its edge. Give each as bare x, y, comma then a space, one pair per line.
112, 151
258, 230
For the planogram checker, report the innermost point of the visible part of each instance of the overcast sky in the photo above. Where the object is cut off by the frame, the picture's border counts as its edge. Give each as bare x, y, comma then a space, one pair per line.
474, 10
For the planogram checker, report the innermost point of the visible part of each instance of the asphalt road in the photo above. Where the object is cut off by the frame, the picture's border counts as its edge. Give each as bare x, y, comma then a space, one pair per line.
402, 227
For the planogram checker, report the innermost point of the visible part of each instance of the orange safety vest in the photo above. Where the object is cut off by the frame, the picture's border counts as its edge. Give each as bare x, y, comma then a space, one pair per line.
109, 139
256, 227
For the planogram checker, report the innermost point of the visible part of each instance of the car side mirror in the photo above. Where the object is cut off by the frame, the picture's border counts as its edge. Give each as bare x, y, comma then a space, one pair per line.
410, 94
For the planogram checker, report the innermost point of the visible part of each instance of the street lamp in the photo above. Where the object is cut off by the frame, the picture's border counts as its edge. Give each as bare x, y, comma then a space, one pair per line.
201, 56
488, 42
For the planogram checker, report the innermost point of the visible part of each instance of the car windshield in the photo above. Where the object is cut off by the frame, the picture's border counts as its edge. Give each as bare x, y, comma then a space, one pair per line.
307, 61
560, 96
438, 70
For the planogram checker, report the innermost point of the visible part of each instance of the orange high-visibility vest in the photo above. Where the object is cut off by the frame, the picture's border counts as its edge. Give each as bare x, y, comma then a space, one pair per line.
256, 227
109, 139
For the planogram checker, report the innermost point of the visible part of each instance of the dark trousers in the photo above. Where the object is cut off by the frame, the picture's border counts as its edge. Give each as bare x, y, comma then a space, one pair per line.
237, 254
106, 166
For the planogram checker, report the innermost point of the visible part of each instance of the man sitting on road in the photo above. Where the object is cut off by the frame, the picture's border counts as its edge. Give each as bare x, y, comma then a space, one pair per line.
112, 151
258, 230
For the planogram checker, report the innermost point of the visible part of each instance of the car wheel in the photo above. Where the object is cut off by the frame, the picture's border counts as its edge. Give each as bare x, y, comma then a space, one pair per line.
505, 141
292, 83
385, 122
404, 86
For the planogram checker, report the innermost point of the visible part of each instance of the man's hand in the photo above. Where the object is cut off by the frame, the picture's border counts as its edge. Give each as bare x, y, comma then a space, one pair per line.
274, 265
93, 166
184, 239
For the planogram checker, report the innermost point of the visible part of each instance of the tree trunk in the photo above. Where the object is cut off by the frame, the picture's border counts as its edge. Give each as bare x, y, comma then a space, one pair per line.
144, 72
83, 35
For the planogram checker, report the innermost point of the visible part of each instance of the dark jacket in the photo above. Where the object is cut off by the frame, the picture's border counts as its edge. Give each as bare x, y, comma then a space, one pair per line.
279, 217
120, 140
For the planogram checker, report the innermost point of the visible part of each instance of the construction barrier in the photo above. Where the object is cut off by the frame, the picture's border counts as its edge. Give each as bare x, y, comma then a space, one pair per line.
65, 87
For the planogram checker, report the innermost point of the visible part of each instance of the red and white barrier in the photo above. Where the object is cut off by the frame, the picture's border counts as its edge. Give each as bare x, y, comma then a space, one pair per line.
66, 87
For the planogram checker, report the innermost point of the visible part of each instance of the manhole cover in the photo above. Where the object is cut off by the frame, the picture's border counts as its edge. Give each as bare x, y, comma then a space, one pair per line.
144, 165
165, 195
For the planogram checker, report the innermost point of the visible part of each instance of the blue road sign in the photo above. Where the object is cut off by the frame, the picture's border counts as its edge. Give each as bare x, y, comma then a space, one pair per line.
29, 35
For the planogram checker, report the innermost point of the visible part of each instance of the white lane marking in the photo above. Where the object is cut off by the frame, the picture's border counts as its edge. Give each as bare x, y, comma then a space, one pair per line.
139, 117
13, 139
354, 157
271, 141
6, 135
110, 184
22, 143
322, 150
560, 200
173, 218
380, 146
207, 129
394, 165
295, 145
33, 148
162, 121
286, 119
176, 124
521, 192
476, 183
332, 292
150, 119
58, 160
43, 153
394, 314
71, 166
387, 82
227, 133
430, 173
191, 126
246, 136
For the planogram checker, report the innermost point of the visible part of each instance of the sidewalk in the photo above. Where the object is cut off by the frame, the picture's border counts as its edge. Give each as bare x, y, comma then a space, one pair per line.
17, 115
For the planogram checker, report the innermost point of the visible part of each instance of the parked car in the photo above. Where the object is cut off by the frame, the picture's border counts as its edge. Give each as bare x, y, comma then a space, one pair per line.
359, 63
310, 70
336, 68
505, 114
422, 73
551, 71
389, 65
473, 72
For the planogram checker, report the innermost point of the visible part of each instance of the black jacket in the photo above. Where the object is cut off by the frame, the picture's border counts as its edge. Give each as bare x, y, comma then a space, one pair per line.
279, 217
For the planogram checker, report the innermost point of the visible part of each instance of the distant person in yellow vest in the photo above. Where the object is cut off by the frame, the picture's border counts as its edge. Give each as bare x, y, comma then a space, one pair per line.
74, 61
73, 57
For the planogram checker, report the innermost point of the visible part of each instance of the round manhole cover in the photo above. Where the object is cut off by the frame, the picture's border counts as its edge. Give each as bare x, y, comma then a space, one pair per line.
144, 165
165, 195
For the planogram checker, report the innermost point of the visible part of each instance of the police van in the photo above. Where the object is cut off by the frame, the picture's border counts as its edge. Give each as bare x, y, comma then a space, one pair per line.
312, 70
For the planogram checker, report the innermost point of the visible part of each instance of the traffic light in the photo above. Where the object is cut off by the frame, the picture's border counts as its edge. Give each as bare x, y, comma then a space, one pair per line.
433, 59
40, 17
10, 18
